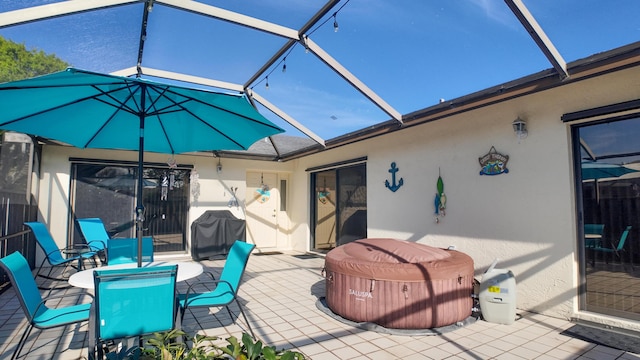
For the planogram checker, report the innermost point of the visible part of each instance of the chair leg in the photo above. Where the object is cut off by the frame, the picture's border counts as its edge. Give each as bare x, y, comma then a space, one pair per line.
178, 322
93, 261
40, 269
100, 350
49, 277
244, 316
622, 262
23, 339
92, 341
50, 271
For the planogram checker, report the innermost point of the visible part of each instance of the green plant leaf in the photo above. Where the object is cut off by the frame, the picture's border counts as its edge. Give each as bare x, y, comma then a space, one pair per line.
166, 355
254, 351
269, 353
247, 339
233, 348
163, 346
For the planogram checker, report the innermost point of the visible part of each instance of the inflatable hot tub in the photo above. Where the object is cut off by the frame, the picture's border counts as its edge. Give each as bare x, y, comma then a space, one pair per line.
399, 284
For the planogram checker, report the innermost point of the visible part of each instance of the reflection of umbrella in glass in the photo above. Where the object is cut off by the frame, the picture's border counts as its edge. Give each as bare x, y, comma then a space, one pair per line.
91, 110
597, 171
124, 182
594, 170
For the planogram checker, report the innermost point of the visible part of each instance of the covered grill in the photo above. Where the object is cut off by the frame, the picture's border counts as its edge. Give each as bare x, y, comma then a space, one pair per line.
213, 233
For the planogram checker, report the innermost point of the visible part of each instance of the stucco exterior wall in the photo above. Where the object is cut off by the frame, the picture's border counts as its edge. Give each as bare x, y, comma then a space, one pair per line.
525, 218
214, 188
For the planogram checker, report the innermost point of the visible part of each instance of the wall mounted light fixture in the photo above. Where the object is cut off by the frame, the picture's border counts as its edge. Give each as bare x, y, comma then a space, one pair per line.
520, 128
219, 167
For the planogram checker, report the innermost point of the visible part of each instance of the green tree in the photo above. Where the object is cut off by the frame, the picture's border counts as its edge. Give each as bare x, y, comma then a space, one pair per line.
17, 63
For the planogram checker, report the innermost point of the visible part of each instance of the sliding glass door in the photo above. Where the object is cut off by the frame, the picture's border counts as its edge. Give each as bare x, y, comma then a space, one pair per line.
608, 171
109, 191
339, 206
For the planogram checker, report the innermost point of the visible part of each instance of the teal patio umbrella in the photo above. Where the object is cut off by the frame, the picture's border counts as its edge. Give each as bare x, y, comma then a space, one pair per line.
591, 170
594, 170
93, 110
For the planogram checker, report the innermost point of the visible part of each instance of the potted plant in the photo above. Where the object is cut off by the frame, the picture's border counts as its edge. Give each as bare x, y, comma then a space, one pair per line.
167, 346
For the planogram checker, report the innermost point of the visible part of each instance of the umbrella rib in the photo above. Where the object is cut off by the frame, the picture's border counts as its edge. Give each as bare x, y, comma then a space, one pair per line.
215, 107
182, 108
166, 135
104, 124
122, 103
156, 114
76, 101
122, 107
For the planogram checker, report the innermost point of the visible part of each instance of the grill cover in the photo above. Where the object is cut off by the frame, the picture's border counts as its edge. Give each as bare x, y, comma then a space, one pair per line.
213, 233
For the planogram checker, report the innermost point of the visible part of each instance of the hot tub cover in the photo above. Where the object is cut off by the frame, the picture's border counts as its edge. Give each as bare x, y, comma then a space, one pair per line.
399, 284
392, 259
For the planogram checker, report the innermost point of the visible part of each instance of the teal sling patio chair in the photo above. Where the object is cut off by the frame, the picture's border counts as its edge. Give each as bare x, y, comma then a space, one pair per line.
131, 303
95, 235
122, 251
54, 255
615, 249
113, 250
593, 234
226, 288
592, 238
38, 314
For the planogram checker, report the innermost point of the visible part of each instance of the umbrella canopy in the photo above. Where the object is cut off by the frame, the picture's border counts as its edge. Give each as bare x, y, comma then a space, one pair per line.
594, 170
106, 112
92, 110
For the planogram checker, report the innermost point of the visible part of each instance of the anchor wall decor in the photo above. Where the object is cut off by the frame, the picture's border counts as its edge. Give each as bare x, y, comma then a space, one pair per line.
393, 186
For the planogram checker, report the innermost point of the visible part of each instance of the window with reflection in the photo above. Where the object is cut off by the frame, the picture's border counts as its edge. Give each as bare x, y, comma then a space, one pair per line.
339, 206
609, 204
109, 191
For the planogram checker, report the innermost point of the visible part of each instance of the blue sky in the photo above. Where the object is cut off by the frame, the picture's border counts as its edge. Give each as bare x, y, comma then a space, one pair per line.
410, 52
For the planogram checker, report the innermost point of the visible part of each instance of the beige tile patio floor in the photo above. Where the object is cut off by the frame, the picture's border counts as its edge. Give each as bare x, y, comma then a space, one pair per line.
280, 293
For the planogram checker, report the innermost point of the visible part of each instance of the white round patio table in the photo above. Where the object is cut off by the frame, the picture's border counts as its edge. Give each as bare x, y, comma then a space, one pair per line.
186, 270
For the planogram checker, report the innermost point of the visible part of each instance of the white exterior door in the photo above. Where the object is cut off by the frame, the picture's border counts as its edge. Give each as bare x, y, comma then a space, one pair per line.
262, 206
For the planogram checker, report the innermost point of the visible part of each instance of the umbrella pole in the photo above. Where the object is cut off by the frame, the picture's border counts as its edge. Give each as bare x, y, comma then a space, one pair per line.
139, 206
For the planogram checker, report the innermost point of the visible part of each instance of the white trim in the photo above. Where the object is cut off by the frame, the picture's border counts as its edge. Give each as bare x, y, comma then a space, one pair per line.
352, 79
42, 12
535, 30
230, 16
284, 116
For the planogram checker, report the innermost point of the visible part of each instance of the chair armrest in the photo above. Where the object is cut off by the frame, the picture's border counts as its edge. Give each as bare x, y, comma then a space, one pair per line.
210, 274
75, 253
52, 297
93, 248
77, 249
201, 282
